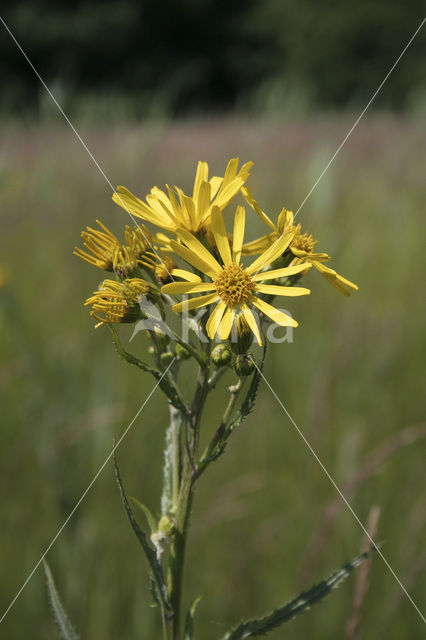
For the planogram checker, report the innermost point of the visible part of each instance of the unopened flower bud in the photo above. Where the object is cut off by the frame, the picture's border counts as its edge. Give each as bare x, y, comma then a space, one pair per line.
244, 365
166, 358
221, 355
181, 352
166, 526
244, 337
162, 338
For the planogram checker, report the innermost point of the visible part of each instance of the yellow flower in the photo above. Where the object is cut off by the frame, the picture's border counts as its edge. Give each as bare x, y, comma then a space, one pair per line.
301, 246
174, 210
161, 263
233, 287
138, 240
116, 302
101, 244
107, 252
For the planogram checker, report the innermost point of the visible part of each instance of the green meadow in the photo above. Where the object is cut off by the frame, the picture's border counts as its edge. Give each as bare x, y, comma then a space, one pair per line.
266, 522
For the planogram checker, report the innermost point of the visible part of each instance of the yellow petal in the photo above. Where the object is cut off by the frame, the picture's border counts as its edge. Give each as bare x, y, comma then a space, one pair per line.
230, 171
278, 290
186, 275
254, 205
201, 176
251, 321
281, 273
192, 258
259, 245
226, 324
195, 303
337, 281
197, 248
277, 316
203, 201
215, 183
127, 201
238, 235
271, 254
220, 235
215, 318
226, 194
176, 288
285, 220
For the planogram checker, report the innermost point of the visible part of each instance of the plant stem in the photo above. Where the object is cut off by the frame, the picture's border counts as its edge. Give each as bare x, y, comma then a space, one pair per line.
177, 549
183, 484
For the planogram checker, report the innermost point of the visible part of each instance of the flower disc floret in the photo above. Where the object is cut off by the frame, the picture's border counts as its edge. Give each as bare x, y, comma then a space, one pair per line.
234, 284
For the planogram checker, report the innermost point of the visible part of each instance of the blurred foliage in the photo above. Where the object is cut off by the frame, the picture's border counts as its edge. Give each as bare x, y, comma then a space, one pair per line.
352, 380
148, 58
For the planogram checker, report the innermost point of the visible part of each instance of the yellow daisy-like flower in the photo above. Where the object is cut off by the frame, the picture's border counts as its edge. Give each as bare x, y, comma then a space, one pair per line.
175, 210
101, 244
138, 240
116, 302
301, 246
107, 252
232, 286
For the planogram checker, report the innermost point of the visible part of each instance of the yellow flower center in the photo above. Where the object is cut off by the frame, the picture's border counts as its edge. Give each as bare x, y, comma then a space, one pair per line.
303, 242
233, 284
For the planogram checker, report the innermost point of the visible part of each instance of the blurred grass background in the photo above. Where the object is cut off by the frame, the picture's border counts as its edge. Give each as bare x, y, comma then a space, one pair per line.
352, 380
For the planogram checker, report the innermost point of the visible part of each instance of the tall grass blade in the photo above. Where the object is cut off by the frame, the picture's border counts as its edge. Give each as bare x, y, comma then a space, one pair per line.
65, 628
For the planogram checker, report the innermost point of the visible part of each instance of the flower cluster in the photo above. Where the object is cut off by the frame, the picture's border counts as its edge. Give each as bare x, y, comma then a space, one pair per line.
236, 287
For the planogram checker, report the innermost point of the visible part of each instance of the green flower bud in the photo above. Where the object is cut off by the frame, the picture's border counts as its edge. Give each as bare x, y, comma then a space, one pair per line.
181, 352
166, 358
221, 355
162, 338
244, 365
244, 336
151, 350
166, 526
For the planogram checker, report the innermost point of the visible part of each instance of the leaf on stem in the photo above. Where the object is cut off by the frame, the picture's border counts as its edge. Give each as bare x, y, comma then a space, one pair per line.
148, 514
189, 625
242, 413
65, 628
163, 381
261, 626
150, 554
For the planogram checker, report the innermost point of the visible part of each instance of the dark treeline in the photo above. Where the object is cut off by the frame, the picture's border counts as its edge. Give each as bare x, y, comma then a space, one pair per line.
198, 56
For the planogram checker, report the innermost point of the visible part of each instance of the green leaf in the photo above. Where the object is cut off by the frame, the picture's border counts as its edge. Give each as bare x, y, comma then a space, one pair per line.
148, 514
189, 625
150, 554
65, 628
261, 626
162, 379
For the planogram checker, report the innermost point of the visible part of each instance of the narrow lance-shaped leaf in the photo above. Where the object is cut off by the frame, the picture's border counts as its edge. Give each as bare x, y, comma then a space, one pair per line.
149, 552
261, 626
250, 399
189, 625
65, 628
162, 379
217, 446
148, 514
